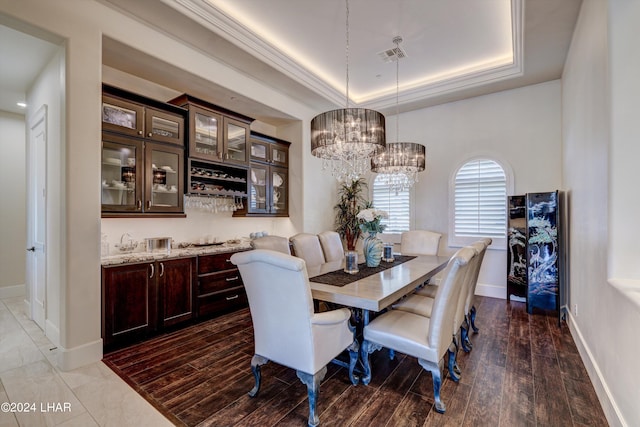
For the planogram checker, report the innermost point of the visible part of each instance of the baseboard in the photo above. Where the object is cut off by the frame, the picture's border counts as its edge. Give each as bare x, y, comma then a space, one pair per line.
12, 291
491, 291
52, 332
609, 407
70, 359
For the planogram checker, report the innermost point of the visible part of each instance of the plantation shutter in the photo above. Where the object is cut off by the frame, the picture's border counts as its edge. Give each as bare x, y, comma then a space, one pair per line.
396, 205
480, 200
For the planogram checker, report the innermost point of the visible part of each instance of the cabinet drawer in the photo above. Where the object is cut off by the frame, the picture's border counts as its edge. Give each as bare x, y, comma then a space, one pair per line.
218, 282
222, 302
213, 263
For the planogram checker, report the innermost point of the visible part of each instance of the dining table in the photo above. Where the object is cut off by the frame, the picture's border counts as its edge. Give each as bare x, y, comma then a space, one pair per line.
371, 289
373, 292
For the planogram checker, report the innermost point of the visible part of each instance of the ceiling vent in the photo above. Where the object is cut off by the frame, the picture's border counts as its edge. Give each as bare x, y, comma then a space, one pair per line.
393, 54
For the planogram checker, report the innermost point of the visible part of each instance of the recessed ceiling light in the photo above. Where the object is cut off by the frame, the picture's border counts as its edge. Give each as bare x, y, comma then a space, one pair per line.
21, 104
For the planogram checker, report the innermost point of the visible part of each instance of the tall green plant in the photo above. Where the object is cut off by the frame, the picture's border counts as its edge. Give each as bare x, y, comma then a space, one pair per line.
350, 203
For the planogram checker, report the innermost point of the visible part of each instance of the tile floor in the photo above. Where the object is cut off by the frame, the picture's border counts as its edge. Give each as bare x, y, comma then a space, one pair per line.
94, 394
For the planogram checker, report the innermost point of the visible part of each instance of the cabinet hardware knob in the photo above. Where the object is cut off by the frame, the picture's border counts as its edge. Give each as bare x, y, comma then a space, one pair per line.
148, 204
220, 155
226, 156
32, 249
139, 204
152, 271
232, 297
139, 132
150, 135
161, 269
231, 279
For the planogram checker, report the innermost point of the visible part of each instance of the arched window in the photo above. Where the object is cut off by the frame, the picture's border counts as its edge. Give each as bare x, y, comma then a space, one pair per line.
398, 206
479, 203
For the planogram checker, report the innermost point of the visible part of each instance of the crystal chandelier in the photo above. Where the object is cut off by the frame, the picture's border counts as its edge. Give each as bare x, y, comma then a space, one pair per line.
400, 163
346, 139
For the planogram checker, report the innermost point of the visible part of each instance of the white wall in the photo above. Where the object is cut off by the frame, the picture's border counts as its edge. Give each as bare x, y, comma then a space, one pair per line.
13, 226
48, 89
521, 128
596, 148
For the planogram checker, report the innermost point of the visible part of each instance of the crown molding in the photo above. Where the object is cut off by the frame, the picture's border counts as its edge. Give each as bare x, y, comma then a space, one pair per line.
235, 32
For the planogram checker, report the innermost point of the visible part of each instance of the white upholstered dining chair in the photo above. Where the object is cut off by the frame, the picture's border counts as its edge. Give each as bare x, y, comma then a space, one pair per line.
274, 243
419, 242
331, 244
307, 246
426, 338
286, 329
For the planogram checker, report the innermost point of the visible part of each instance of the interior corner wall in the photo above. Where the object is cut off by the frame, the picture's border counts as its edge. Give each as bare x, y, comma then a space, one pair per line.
47, 90
13, 226
603, 321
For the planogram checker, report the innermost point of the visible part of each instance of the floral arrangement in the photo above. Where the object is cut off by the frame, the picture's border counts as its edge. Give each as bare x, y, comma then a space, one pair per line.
369, 220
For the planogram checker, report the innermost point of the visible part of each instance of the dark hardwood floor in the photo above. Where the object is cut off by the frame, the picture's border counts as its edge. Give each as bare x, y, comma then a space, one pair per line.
523, 371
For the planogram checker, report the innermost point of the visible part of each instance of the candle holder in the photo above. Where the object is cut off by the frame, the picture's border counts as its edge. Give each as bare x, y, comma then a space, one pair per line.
387, 253
351, 262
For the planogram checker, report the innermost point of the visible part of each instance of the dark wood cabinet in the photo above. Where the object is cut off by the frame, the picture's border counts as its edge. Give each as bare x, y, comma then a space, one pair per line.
216, 134
129, 301
175, 288
142, 156
268, 190
220, 288
140, 299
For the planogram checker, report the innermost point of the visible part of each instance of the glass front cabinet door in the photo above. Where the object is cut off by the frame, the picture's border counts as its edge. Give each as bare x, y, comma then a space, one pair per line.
279, 191
121, 174
258, 197
122, 116
236, 137
164, 169
205, 139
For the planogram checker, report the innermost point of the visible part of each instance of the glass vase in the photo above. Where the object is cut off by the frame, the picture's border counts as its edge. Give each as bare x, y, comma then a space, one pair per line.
372, 250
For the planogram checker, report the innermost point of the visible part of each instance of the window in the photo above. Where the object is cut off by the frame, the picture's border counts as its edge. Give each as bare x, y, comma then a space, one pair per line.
398, 206
479, 203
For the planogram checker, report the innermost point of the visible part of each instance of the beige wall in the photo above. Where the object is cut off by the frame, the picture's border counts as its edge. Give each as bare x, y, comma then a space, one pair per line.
600, 146
520, 128
13, 226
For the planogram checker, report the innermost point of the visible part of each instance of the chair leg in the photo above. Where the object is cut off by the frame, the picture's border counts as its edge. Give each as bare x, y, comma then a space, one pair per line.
365, 349
454, 371
464, 339
256, 362
436, 374
313, 390
353, 359
472, 316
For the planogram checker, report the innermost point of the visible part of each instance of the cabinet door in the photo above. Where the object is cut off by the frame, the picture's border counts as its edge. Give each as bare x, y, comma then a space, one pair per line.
279, 191
164, 178
164, 127
122, 116
258, 195
175, 279
260, 151
279, 155
121, 174
205, 135
236, 137
128, 302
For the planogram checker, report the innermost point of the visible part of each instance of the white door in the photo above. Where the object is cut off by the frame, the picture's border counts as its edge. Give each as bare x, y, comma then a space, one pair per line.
36, 215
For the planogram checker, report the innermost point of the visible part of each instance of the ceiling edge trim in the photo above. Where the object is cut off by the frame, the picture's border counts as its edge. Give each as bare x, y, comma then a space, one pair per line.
233, 31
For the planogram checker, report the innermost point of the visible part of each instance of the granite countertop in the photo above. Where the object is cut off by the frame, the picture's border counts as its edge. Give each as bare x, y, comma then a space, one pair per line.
135, 257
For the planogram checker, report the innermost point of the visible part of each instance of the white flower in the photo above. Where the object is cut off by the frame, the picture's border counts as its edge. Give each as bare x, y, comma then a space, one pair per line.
369, 215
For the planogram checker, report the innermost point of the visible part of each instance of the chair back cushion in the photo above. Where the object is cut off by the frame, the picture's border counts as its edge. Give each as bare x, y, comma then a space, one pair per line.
275, 243
481, 246
331, 246
281, 306
419, 242
307, 246
444, 305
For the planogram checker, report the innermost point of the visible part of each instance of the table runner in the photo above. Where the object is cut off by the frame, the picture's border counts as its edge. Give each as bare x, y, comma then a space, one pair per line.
340, 278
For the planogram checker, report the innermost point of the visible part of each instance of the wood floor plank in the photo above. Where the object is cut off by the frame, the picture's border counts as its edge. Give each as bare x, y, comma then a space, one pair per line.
551, 405
523, 371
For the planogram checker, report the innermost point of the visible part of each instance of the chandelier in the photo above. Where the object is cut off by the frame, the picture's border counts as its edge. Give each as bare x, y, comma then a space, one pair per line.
401, 162
346, 139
